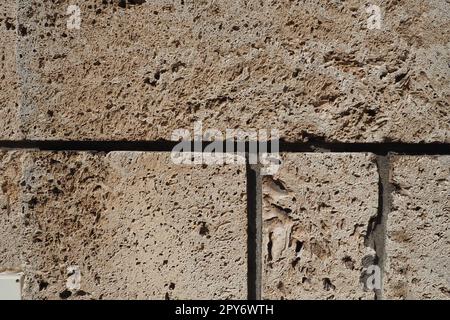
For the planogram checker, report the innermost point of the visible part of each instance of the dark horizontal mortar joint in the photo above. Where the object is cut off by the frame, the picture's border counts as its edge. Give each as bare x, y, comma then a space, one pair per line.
167, 145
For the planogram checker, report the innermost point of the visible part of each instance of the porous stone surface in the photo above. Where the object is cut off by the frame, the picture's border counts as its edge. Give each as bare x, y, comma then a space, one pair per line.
129, 225
137, 70
418, 232
10, 219
317, 211
9, 90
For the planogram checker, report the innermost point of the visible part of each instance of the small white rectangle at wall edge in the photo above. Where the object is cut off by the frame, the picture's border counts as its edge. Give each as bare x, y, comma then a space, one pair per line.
11, 285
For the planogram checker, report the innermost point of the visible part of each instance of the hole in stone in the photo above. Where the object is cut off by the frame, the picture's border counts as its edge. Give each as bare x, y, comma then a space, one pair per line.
298, 246
65, 294
203, 229
269, 247
348, 262
327, 285
43, 285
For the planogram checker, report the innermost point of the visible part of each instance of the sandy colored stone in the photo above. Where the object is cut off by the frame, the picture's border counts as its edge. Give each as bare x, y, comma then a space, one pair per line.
316, 213
9, 90
418, 232
138, 70
10, 216
131, 225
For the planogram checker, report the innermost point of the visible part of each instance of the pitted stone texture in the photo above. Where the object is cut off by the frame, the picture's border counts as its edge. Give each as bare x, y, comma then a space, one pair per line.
9, 96
418, 232
10, 218
316, 213
138, 70
132, 225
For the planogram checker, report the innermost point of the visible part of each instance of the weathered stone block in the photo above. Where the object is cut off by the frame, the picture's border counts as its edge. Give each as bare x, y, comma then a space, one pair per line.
137, 70
317, 211
130, 225
10, 221
9, 91
418, 233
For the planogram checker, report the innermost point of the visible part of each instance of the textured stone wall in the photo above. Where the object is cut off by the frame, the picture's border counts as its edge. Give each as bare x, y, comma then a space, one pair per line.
418, 232
94, 206
134, 225
137, 70
316, 212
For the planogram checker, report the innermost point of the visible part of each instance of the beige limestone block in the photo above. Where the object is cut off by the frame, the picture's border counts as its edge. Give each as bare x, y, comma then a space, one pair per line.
10, 215
418, 229
317, 211
137, 70
130, 225
9, 90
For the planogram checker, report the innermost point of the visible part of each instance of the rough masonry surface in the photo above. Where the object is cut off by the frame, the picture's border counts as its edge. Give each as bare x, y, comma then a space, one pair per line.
123, 225
317, 211
138, 70
84, 225
9, 90
418, 234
